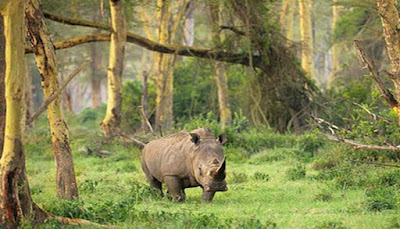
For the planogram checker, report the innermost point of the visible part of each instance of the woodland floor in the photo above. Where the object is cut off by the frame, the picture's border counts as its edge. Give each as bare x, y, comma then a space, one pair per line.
113, 191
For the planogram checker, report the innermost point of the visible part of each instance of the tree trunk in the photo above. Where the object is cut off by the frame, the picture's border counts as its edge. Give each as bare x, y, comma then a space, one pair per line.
163, 15
307, 53
283, 14
220, 73
335, 52
15, 200
45, 57
144, 101
28, 95
96, 77
112, 119
290, 20
166, 63
188, 29
2, 89
390, 23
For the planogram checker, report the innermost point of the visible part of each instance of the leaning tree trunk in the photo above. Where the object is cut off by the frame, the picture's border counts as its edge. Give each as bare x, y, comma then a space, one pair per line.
307, 53
390, 23
15, 199
45, 57
220, 71
2, 92
112, 119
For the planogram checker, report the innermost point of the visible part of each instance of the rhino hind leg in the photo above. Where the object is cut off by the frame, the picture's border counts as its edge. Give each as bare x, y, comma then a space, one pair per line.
154, 183
175, 188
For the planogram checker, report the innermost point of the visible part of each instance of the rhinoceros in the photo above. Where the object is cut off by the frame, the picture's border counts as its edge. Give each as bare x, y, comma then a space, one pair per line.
184, 160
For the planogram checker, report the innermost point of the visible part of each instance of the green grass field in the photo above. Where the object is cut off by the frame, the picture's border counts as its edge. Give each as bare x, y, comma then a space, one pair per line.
271, 189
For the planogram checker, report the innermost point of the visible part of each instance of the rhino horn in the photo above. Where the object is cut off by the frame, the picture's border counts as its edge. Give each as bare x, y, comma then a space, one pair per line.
220, 173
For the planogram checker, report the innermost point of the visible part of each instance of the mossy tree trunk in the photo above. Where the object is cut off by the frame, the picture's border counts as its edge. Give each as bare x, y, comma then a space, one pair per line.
390, 23
2, 89
112, 119
97, 73
15, 199
307, 50
225, 113
46, 62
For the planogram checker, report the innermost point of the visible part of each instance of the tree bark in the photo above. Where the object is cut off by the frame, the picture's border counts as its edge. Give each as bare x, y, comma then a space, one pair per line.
225, 113
47, 65
188, 29
144, 101
112, 119
15, 200
390, 23
290, 20
96, 77
335, 51
2, 89
307, 51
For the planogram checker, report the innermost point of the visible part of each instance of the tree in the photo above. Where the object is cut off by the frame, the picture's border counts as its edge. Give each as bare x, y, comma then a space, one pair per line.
307, 51
390, 23
15, 199
2, 75
46, 62
112, 119
335, 51
220, 68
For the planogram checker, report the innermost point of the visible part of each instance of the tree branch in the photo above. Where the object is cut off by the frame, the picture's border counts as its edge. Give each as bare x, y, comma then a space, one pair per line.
236, 58
369, 63
358, 145
233, 29
48, 101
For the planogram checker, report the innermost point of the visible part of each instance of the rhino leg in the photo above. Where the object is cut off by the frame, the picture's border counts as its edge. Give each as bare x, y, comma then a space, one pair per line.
207, 196
154, 183
175, 188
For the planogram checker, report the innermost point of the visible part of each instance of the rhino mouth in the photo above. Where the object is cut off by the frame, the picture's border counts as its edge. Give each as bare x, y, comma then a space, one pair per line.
216, 187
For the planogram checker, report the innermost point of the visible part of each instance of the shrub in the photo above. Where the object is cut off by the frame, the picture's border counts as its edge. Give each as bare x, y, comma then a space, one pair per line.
324, 195
296, 173
237, 178
261, 176
381, 198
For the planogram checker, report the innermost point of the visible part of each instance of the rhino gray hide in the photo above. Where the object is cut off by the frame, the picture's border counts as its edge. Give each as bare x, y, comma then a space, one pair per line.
186, 160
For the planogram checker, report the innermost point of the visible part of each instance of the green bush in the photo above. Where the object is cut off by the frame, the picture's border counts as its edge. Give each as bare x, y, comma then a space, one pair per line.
236, 178
296, 173
261, 176
381, 198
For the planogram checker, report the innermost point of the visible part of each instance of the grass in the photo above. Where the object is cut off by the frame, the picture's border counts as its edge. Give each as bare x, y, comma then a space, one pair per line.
262, 193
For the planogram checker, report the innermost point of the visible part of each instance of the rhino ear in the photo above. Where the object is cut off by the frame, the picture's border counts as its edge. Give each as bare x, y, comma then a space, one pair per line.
222, 138
195, 138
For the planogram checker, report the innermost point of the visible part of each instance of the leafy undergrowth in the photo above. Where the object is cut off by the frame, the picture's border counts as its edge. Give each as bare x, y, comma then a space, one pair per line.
286, 182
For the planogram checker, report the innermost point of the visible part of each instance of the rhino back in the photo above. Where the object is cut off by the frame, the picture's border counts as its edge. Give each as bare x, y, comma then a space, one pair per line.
168, 156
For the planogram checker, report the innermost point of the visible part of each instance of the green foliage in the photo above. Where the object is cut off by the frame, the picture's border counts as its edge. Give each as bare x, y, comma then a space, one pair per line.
296, 173
325, 195
237, 178
261, 176
381, 198
131, 102
330, 225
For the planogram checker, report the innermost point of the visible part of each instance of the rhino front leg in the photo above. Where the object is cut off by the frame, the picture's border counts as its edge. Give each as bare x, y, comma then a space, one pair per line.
175, 188
207, 196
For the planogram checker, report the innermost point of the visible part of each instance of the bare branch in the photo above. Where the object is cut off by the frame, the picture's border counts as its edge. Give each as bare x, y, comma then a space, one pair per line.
369, 63
358, 145
233, 29
136, 142
48, 101
235, 58
374, 163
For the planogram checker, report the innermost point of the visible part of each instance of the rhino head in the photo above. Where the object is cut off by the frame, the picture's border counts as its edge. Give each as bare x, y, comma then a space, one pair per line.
209, 162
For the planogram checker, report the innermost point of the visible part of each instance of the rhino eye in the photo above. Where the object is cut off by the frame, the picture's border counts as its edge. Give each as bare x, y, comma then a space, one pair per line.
200, 171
